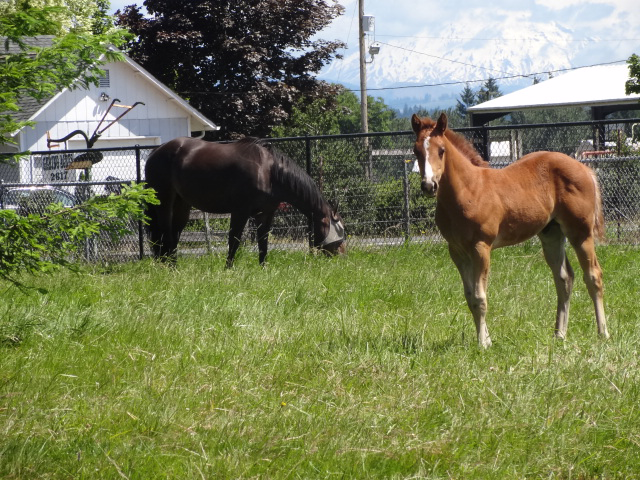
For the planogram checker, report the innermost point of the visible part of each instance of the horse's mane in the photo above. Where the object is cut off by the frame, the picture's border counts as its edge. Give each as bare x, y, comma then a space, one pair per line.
287, 174
466, 148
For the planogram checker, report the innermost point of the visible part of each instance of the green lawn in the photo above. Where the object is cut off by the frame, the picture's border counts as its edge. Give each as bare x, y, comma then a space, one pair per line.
364, 366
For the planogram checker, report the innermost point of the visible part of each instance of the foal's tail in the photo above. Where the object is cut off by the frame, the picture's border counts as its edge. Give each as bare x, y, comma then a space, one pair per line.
598, 227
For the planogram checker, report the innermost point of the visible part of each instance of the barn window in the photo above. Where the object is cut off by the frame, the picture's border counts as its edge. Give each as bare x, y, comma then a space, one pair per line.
104, 80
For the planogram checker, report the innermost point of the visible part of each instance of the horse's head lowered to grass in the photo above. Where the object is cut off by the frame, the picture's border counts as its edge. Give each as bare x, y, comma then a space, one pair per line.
248, 178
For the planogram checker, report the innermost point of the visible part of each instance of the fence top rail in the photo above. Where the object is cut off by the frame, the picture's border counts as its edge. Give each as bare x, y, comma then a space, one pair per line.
84, 150
482, 128
584, 123
4, 185
462, 129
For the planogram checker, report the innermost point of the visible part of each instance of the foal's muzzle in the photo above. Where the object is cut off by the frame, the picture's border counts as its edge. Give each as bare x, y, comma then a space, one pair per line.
429, 188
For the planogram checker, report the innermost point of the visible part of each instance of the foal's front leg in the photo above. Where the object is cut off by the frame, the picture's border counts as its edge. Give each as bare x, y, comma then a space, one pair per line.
473, 266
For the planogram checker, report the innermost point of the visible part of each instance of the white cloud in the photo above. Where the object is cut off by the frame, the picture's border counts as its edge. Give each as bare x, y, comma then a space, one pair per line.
627, 5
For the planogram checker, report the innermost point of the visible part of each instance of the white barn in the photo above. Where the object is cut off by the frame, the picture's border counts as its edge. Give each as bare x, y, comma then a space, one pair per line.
161, 116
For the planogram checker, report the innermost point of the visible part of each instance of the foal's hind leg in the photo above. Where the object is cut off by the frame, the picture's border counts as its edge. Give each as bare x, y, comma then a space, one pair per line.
592, 274
553, 241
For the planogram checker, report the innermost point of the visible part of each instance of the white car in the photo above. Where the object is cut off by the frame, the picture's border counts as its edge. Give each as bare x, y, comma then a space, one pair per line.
34, 199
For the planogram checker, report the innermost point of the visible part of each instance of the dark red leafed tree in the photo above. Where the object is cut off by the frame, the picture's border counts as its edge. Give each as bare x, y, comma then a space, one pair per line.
242, 63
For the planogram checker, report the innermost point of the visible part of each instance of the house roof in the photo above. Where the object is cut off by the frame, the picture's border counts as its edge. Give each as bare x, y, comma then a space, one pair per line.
206, 124
29, 107
596, 87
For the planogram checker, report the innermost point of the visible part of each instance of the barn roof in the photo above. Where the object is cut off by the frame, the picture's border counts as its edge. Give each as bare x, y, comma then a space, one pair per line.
600, 87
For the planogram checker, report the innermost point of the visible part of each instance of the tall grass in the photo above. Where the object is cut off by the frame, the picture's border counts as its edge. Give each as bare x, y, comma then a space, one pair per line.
364, 366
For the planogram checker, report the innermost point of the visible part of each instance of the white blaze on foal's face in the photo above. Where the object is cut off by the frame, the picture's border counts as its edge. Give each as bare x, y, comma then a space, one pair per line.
427, 175
429, 182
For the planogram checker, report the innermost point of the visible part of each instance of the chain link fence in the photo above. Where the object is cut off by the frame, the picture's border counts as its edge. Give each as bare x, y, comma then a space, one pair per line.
372, 178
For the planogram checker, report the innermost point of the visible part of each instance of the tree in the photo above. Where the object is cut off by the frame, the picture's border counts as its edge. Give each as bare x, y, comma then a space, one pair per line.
73, 61
468, 98
79, 16
41, 243
243, 63
633, 84
488, 91
338, 114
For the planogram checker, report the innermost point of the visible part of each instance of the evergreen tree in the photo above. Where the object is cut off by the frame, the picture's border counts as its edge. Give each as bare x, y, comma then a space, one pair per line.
467, 99
488, 91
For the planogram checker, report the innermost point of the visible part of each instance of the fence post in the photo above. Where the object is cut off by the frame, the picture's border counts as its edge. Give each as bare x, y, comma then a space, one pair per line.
207, 232
307, 144
406, 211
140, 226
486, 149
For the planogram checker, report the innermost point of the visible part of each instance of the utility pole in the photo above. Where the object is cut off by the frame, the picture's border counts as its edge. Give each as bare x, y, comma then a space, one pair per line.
363, 71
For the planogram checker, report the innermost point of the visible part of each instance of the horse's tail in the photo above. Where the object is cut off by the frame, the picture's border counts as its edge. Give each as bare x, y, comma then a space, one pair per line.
150, 213
598, 227
151, 228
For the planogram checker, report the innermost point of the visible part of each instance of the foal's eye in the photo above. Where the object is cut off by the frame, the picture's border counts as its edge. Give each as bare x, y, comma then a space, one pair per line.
441, 151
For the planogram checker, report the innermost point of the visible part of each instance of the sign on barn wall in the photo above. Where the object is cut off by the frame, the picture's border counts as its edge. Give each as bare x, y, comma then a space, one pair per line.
54, 167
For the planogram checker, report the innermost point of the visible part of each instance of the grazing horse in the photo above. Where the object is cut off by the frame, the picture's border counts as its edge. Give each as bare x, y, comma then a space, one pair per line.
547, 194
247, 178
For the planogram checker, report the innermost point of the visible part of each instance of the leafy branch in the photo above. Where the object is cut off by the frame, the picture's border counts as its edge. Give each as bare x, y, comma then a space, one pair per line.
72, 61
43, 243
633, 84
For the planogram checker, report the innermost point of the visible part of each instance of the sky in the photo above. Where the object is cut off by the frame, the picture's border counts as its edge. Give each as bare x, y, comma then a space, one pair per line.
470, 39
613, 24
606, 30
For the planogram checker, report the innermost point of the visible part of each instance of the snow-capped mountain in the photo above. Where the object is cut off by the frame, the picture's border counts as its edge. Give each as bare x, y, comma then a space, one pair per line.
439, 68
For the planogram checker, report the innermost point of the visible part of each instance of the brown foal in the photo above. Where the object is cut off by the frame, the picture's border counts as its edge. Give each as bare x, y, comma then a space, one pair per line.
547, 194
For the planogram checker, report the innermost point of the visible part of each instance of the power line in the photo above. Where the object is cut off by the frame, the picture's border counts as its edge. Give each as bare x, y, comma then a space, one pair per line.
427, 85
506, 77
523, 39
442, 58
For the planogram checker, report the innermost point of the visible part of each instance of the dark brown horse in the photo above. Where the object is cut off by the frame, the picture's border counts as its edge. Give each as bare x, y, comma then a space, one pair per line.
547, 194
247, 178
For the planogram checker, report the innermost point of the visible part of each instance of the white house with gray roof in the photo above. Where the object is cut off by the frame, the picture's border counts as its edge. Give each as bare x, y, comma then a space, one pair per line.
159, 115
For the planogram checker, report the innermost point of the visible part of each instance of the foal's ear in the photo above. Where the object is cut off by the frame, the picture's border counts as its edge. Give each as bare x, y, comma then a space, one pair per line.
441, 126
416, 123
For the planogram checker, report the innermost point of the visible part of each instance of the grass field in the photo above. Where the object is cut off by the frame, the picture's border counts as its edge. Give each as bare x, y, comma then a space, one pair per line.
364, 366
